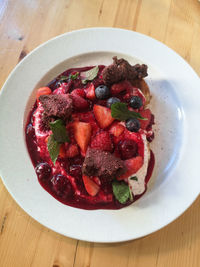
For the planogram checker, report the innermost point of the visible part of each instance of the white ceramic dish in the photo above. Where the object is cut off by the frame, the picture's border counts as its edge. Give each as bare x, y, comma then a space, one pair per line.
176, 92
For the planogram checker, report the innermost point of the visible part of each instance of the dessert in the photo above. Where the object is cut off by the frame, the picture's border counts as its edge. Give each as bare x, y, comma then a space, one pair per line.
88, 136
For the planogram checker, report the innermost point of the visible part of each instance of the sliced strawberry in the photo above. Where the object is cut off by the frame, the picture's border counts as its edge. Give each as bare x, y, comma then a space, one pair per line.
132, 166
79, 102
91, 187
79, 92
146, 113
62, 151
71, 150
43, 91
102, 141
103, 116
90, 92
116, 129
59, 91
82, 134
119, 87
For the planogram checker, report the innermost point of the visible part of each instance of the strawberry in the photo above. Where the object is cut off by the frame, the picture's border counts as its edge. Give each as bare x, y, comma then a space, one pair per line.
90, 92
119, 87
103, 116
102, 141
62, 151
71, 150
116, 129
146, 113
91, 187
132, 166
82, 134
43, 91
79, 102
59, 91
79, 92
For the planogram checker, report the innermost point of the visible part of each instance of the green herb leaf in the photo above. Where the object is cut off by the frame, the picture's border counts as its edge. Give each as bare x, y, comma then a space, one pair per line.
134, 178
89, 75
74, 76
63, 78
120, 112
59, 131
53, 148
121, 191
70, 77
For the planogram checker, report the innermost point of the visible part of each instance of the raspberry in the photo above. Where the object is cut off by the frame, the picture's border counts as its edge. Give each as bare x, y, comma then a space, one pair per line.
71, 150
119, 87
79, 92
79, 102
146, 113
102, 141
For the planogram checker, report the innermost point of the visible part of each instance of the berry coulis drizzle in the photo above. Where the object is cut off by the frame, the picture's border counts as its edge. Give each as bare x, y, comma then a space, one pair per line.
54, 185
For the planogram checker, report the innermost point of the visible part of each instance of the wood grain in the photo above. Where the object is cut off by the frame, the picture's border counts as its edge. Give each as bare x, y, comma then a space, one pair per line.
24, 24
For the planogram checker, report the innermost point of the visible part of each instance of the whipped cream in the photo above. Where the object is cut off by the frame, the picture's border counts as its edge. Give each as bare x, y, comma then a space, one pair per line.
138, 187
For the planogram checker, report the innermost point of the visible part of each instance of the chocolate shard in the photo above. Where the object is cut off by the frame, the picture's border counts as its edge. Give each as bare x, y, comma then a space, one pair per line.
102, 164
56, 106
121, 70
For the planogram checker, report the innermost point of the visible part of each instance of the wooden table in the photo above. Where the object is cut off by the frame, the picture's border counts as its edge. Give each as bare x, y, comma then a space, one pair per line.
24, 24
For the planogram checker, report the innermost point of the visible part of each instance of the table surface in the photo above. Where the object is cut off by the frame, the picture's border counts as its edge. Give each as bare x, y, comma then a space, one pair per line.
24, 24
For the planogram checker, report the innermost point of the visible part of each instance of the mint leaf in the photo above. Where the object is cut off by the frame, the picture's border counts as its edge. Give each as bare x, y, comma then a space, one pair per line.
71, 76
89, 75
120, 112
74, 76
121, 191
63, 78
134, 178
59, 131
58, 137
53, 148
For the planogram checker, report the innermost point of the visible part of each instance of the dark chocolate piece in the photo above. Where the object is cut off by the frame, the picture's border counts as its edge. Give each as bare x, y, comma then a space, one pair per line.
121, 70
56, 106
102, 164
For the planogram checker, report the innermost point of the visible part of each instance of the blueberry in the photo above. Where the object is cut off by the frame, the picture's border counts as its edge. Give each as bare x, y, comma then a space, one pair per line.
133, 125
43, 170
112, 100
102, 92
135, 102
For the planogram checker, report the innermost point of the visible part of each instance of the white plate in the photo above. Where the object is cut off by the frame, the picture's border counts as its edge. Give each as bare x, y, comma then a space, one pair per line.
176, 92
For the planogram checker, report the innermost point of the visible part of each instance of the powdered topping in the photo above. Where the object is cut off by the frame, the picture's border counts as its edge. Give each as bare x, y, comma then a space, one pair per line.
121, 70
102, 164
57, 106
